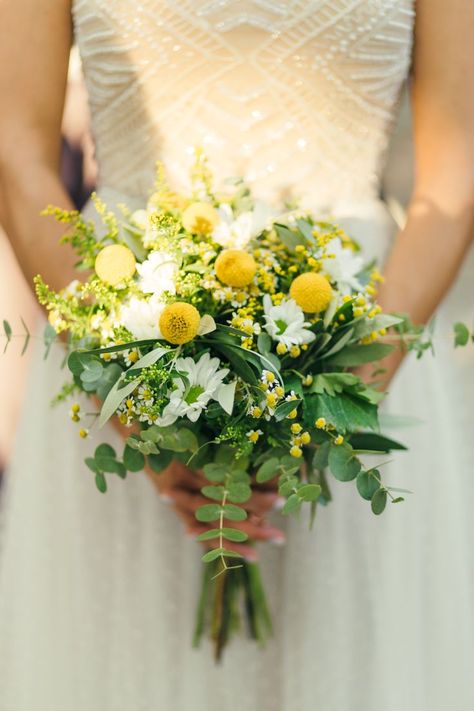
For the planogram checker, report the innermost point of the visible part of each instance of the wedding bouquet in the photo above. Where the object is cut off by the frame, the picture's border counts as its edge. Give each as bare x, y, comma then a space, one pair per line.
224, 334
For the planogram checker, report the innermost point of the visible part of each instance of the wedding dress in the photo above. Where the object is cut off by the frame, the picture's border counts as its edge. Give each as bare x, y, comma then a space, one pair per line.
98, 592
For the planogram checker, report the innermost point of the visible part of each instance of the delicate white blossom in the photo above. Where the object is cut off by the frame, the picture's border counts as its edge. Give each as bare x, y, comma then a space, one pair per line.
158, 273
285, 323
201, 382
236, 232
343, 267
141, 317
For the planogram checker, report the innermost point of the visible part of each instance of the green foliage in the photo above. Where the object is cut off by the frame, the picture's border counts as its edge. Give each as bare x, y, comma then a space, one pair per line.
379, 501
355, 354
462, 335
343, 463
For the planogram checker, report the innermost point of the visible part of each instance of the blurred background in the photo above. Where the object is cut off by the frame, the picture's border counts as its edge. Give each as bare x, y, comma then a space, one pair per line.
79, 173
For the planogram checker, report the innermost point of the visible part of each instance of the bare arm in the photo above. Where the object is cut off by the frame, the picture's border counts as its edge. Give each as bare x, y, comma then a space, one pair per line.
35, 39
429, 251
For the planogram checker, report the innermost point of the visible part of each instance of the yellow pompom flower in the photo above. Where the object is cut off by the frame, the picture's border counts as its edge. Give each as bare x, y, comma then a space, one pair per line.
312, 292
114, 264
235, 267
179, 322
200, 218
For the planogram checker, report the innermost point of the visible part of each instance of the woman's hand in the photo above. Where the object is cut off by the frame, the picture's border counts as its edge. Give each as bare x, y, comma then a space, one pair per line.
181, 487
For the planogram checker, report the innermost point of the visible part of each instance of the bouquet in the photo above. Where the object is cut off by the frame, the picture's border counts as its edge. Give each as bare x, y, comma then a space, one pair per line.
224, 334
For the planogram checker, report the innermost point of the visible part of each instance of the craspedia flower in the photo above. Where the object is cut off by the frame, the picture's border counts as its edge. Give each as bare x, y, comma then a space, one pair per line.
235, 267
312, 292
115, 263
200, 218
179, 322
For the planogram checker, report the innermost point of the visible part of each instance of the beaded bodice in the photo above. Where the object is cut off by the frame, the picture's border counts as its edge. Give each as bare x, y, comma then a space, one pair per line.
297, 96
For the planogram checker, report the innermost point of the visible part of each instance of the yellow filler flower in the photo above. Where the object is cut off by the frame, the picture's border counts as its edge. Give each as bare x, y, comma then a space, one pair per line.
235, 267
200, 218
114, 264
312, 292
179, 322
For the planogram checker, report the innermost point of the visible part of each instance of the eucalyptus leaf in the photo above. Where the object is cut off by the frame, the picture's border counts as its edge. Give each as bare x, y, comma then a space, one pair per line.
368, 482
209, 535
208, 512
343, 463
133, 460
160, 461
213, 492
212, 555
268, 470
215, 472
233, 534
461, 334
379, 501
234, 513
101, 482
309, 492
239, 492
292, 504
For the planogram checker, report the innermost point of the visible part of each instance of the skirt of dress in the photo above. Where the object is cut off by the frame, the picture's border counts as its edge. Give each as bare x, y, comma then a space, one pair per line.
98, 592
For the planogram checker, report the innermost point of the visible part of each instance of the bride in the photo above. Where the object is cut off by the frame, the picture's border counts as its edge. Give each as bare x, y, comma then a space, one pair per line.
97, 593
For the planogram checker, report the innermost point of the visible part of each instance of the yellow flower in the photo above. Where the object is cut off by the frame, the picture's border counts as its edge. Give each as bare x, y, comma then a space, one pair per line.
179, 322
305, 438
200, 218
256, 411
83, 433
235, 267
339, 440
295, 351
75, 407
292, 414
253, 435
114, 264
307, 380
312, 292
296, 452
281, 348
296, 428
320, 423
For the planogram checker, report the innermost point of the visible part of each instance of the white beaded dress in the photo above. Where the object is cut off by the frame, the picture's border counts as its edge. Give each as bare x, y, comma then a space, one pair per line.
98, 593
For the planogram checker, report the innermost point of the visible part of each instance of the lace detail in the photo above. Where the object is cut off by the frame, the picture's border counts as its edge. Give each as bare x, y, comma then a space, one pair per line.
260, 85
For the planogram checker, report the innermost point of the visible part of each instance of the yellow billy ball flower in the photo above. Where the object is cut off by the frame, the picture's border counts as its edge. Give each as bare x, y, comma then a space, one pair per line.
115, 263
296, 452
200, 218
235, 267
179, 322
312, 292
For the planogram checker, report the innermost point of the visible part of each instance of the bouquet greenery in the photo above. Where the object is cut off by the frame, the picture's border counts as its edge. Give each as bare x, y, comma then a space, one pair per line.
225, 334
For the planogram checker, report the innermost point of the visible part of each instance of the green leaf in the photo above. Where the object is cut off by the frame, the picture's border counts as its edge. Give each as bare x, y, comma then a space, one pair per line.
213, 492
286, 486
115, 398
461, 335
149, 359
92, 464
320, 459
238, 363
309, 492
292, 505
182, 440
74, 363
110, 375
375, 442
366, 326
104, 451
356, 354
285, 408
332, 383
290, 239
379, 501
268, 470
347, 411
209, 535
234, 513
264, 343
208, 512
160, 461
239, 492
337, 344
368, 483
101, 482
398, 500
49, 337
212, 555
8, 333
226, 396
343, 463
133, 460
233, 534
215, 472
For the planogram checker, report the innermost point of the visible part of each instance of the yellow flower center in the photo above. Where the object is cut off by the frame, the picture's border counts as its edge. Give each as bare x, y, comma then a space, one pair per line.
115, 263
179, 322
312, 292
235, 267
200, 218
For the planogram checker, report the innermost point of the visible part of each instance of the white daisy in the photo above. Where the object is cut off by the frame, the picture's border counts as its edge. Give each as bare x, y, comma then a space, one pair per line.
201, 382
285, 323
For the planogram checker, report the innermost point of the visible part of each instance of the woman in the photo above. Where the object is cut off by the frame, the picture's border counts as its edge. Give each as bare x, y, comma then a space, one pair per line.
98, 592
